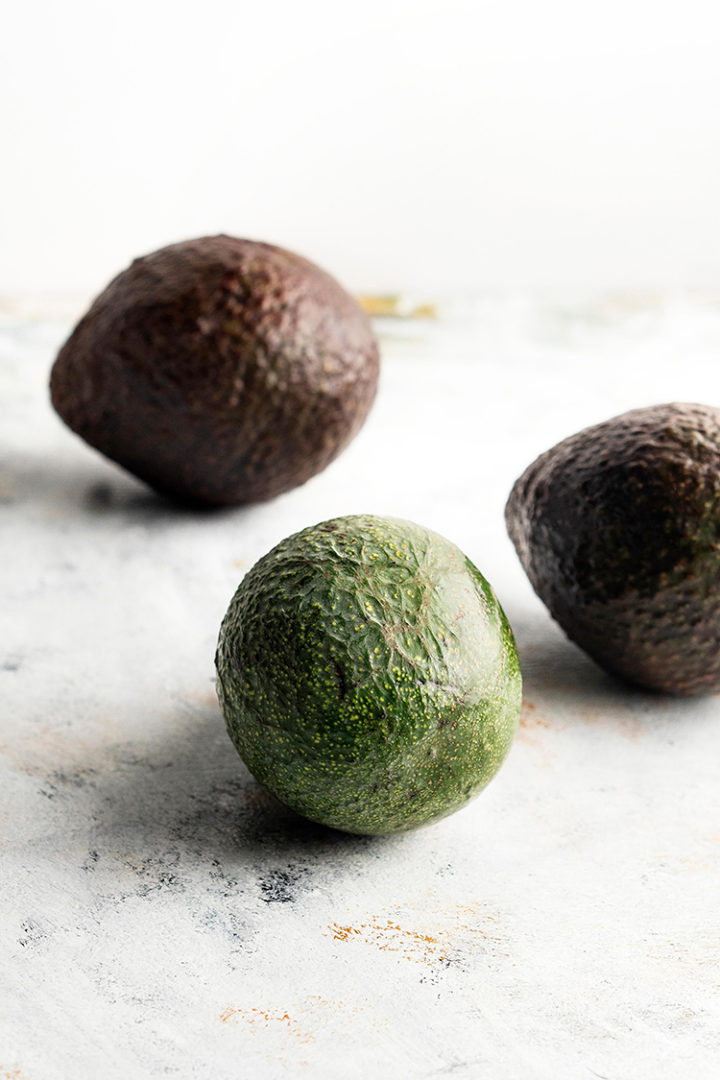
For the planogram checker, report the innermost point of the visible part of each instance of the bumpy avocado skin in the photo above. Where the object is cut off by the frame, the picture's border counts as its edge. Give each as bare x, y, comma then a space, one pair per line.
618, 529
219, 370
368, 675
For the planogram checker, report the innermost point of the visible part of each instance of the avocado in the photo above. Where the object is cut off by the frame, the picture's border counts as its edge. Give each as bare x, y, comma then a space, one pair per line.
368, 675
219, 370
618, 529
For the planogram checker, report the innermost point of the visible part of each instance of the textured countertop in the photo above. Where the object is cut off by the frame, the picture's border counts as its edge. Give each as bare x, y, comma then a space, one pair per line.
161, 915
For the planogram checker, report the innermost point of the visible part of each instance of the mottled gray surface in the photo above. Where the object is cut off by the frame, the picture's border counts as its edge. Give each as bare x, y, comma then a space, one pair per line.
161, 915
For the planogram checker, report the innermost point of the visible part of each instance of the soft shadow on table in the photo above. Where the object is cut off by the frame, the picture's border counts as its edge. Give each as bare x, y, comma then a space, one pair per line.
88, 489
187, 790
563, 684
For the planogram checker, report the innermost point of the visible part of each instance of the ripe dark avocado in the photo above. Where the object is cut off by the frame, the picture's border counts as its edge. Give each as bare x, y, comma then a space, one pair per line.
368, 675
219, 370
618, 528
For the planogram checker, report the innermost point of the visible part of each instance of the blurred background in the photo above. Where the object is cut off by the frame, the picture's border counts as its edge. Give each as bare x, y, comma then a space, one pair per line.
431, 145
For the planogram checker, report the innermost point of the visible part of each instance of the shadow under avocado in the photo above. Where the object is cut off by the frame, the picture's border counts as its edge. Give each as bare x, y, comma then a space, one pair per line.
561, 678
187, 789
93, 488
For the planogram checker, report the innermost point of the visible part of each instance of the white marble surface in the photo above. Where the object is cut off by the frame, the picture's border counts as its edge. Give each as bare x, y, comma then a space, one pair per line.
160, 915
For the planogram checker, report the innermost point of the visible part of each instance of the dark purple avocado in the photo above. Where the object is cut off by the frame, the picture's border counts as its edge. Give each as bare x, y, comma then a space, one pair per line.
618, 529
219, 370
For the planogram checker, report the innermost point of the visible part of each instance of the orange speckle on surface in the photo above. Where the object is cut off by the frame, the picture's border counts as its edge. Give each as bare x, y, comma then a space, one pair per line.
530, 718
455, 933
260, 1018
396, 307
342, 933
312, 1017
390, 936
531, 726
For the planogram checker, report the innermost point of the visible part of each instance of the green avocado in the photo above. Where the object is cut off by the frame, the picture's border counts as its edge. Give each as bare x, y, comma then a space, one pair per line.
618, 529
368, 675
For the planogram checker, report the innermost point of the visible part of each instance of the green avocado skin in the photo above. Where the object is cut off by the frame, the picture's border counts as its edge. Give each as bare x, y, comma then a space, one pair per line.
618, 529
368, 675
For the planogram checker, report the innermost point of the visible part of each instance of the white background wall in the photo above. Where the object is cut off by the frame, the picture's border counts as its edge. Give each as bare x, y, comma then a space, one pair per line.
402, 144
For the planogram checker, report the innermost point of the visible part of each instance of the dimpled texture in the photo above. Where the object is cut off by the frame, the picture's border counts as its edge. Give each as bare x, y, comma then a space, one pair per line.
368, 675
618, 529
219, 370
